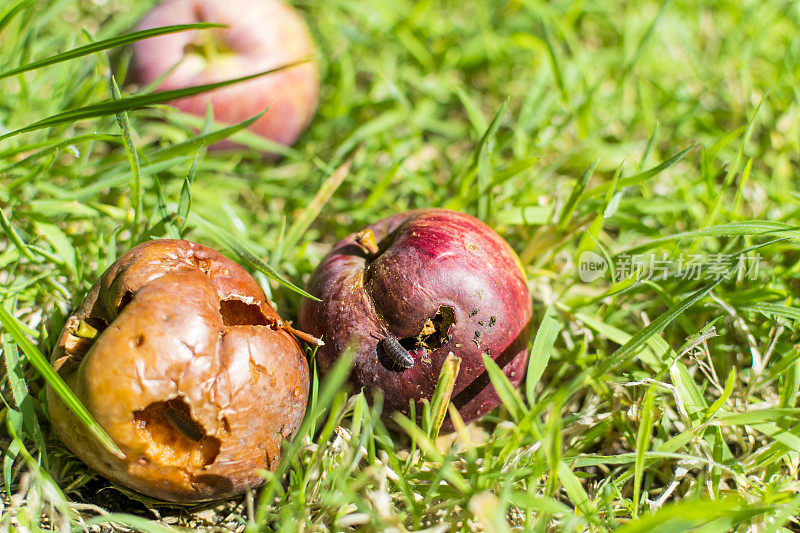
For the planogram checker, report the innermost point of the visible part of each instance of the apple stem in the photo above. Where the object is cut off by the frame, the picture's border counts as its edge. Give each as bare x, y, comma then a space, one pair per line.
366, 241
205, 46
209, 47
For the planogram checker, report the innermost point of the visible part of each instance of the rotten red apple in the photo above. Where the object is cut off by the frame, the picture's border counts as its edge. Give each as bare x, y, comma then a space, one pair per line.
435, 281
261, 35
177, 354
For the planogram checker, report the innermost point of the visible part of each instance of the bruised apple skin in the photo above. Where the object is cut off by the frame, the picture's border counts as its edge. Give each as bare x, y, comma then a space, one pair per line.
439, 281
179, 357
261, 35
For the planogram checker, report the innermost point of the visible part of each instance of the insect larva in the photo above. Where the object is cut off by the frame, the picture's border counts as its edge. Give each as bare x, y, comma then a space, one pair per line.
183, 424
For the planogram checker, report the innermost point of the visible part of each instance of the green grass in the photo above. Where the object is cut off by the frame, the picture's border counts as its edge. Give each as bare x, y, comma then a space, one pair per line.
667, 129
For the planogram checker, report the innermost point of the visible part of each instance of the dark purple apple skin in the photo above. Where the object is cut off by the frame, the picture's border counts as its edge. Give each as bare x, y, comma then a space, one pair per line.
427, 259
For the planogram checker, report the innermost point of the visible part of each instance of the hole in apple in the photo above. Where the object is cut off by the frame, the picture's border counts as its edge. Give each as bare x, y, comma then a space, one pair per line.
239, 313
97, 323
434, 334
124, 301
436, 331
173, 437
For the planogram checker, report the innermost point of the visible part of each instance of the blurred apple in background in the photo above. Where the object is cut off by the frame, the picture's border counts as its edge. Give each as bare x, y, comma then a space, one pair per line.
261, 34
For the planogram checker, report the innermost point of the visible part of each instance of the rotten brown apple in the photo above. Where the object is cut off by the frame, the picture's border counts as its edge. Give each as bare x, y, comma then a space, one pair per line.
436, 281
180, 358
260, 35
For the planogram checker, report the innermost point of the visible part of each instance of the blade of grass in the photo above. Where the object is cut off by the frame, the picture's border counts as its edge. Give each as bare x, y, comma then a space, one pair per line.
654, 328
642, 444
575, 194
63, 246
14, 237
649, 147
441, 395
783, 515
20, 393
589, 240
135, 523
623, 353
719, 402
113, 42
244, 253
540, 352
642, 43
641, 176
576, 492
508, 394
56, 146
185, 202
14, 11
111, 107
199, 141
334, 381
553, 443
137, 189
314, 208
687, 515
734, 166
771, 309
428, 447
39, 362
742, 228
554, 63
164, 215
9, 458
463, 180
